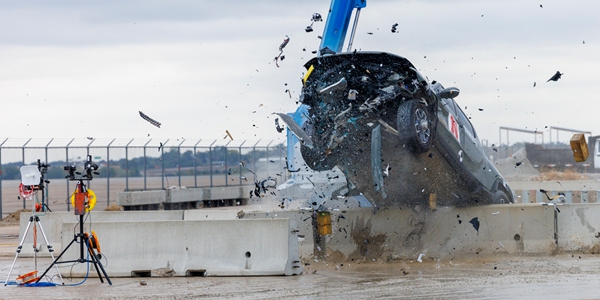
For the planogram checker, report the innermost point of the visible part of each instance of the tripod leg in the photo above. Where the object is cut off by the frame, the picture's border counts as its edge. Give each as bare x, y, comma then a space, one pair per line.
18, 250
97, 265
50, 250
93, 258
56, 260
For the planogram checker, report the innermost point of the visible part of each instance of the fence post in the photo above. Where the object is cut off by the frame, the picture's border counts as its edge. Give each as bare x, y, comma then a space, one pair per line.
240, 163
162, 159
127, 164
1, 175
67, 160
211, 162
108, 173
145, 165
226, 164
23, 151
46, 162
268, 160
195, 165
179, 162
87, 155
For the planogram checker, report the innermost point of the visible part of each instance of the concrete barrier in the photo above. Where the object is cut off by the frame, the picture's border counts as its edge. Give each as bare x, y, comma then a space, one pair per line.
578, 226
52, 225
182, 198
208, 248
303, 220
444, 233
576, 191
153, 199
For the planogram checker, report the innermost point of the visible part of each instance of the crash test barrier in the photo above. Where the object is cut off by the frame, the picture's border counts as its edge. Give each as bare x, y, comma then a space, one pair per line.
174, 199
575, 191
356, 234
52, 223
241, 247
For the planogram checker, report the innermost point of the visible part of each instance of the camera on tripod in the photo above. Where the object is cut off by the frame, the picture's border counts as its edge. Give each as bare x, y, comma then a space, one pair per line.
89, 168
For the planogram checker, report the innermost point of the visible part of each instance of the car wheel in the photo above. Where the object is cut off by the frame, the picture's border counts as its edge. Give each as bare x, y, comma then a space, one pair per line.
415, 127
500, 197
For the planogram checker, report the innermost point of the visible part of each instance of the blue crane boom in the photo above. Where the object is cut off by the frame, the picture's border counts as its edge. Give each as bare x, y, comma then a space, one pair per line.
336, 26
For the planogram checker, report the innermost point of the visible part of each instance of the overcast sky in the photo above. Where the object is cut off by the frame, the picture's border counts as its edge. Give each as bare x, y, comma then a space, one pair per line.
83, 68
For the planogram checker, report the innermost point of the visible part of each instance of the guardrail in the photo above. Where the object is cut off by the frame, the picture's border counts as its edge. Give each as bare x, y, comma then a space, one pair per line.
139, 164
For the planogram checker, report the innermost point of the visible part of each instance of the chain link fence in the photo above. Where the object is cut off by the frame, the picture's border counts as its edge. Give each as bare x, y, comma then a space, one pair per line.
135, 165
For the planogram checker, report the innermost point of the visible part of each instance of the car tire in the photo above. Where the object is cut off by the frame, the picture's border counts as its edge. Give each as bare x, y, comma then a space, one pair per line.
500, 197
415, 127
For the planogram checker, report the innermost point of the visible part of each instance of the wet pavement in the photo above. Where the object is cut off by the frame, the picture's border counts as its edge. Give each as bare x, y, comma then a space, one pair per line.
562, 276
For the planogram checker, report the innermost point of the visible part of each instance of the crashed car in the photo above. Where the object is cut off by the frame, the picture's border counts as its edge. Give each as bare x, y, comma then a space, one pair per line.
399, 139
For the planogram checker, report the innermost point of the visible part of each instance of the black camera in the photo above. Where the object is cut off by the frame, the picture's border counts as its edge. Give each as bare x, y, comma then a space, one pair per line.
71, 169
90, 167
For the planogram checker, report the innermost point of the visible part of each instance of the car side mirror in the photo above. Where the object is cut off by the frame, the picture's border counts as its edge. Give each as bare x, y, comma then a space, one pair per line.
450, 93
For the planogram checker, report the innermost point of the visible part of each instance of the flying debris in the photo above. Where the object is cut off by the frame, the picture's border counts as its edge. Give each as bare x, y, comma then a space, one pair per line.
475, 223
279, 128
395, 28
556, 76
278, 57
150, 120
316, 17
228, 135
534, 84
89, 138
386, 172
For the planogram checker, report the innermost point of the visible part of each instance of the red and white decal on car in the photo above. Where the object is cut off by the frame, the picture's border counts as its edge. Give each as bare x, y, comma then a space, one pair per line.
453, 126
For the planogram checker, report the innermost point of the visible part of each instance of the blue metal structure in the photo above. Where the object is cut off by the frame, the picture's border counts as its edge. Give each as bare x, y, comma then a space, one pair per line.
337, 23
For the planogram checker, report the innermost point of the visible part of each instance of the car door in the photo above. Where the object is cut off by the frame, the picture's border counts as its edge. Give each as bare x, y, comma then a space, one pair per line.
449, 133
473, 154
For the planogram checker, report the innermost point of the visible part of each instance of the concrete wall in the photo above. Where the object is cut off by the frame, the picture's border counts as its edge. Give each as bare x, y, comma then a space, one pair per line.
52, 225
579, 226
221, 247
152, 198
576, 191
358, 234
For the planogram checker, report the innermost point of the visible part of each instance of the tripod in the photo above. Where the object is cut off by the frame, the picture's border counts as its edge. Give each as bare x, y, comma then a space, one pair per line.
80, 209
35, 220
32, 180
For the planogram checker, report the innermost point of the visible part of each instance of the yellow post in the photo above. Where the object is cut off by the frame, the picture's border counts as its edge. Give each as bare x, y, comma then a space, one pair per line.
324, 222
432, 201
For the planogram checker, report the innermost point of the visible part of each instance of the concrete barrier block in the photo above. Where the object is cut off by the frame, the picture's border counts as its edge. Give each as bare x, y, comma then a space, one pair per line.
220, 247
52, 225
232, 192
444, 233
210, 214
578, 226
141, 197
185, 195
303, 220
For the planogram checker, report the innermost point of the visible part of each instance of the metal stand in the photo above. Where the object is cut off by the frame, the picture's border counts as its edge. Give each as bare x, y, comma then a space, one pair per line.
81, 238
36, 221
